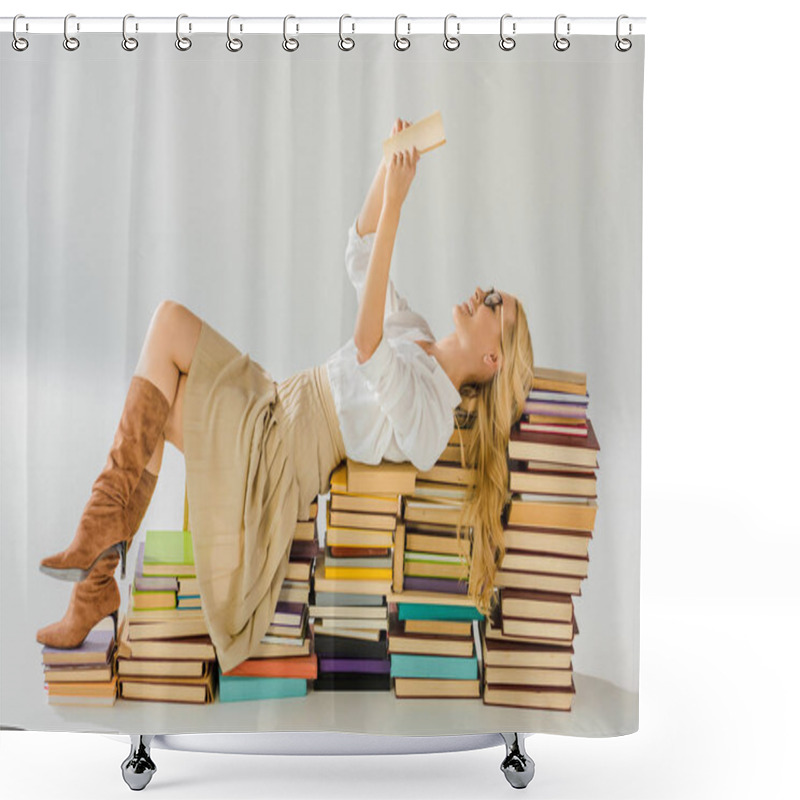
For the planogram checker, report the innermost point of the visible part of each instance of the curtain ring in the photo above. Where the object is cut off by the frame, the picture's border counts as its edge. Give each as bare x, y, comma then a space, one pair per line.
561, 43
451, 42
183, 43
234, 45
129, 43
17, 42
507, 42
290, 44
623, 45
70, 42
342, 39
401, 42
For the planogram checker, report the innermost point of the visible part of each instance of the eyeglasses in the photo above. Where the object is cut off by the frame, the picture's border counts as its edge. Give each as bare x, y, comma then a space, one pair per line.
493, 299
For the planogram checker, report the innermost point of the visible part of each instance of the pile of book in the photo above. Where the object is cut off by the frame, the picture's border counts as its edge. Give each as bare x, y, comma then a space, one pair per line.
431, 636
164, 651
284, 662
528, 640
354, 575
82, 675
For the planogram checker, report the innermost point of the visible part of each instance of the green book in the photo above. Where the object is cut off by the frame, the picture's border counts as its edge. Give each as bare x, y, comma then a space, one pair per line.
433, 558
433, 611
168, 553
235, 687
405, 665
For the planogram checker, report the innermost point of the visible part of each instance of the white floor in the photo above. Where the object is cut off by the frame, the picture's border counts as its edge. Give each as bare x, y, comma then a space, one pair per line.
717, 714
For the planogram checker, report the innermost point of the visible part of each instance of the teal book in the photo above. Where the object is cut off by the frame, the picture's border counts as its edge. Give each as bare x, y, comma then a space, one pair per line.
234, 687
405, 665
433, 611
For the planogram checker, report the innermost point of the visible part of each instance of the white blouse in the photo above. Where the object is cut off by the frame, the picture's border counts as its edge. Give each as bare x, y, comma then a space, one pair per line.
398, 404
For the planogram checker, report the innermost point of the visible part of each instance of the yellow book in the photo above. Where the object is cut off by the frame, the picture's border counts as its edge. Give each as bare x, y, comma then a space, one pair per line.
359, 573
322, 583
425, 134
367, 503
388, 477
339, 478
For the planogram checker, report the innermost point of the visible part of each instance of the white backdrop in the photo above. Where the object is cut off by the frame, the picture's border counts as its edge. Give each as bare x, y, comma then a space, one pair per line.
719, 298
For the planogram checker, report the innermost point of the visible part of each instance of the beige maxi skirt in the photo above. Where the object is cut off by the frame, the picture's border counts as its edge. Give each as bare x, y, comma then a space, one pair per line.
257, 455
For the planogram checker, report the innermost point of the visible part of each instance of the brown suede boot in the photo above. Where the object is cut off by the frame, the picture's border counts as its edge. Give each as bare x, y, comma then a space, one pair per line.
98, 595
103, 529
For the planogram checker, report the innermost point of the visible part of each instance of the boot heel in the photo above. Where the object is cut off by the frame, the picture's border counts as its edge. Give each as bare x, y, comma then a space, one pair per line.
113, 616
122, 548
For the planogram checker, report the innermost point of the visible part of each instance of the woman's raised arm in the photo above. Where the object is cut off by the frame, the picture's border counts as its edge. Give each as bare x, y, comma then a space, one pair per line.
370, 212
369, 324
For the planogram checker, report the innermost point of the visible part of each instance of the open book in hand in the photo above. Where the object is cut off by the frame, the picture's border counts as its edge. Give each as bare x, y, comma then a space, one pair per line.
426, 135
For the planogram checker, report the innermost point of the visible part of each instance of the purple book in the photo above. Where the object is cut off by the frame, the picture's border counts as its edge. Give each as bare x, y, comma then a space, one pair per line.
151, 583
95, 649
304, 549
288, 613
375, 666
442, 585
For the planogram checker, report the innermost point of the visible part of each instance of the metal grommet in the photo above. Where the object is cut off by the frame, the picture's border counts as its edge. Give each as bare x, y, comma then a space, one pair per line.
623, 45
507, 42
290, 44
234, 45
401, 42
70, 42
451, 42
561, 43
129, 43
183, 43
345, 42
17, 42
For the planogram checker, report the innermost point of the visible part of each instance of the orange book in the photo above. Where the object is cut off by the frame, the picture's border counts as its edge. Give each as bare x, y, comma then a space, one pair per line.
297, 667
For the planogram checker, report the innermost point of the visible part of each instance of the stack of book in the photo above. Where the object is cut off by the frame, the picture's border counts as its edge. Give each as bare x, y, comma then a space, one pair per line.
284, 662
528, 641
164, 651
431, 637
354, 575
82, 675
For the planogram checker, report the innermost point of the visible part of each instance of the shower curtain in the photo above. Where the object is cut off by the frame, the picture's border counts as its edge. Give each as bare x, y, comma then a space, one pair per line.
228, 180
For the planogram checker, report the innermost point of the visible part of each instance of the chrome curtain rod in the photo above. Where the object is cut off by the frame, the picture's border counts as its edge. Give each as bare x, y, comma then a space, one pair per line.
346, 25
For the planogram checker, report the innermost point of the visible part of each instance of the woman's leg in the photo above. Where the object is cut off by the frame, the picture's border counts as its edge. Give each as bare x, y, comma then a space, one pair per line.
165, 359
138, 443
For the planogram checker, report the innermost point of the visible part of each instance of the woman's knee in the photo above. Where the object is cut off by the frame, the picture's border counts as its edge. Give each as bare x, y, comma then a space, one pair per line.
179, 329
169, 312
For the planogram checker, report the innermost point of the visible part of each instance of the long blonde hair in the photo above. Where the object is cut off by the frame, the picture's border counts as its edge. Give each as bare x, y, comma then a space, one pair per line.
498, 404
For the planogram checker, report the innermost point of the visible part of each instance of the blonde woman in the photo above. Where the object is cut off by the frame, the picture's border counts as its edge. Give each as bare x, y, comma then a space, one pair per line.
258, 452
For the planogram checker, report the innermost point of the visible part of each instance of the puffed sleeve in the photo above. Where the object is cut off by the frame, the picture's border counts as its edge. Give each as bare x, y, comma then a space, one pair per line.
356, 259
407, 393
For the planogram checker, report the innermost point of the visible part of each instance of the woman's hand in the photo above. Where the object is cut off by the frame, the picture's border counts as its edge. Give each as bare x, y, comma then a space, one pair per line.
400, 171
399, 125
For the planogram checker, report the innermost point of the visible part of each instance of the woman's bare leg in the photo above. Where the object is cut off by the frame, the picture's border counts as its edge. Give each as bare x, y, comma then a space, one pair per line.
165, 359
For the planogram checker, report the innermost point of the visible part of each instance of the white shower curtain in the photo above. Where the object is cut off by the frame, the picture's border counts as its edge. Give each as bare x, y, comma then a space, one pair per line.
227, 181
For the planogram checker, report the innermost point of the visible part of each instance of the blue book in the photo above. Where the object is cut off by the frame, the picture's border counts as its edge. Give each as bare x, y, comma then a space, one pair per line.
405, 665
434, 611
234, 687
